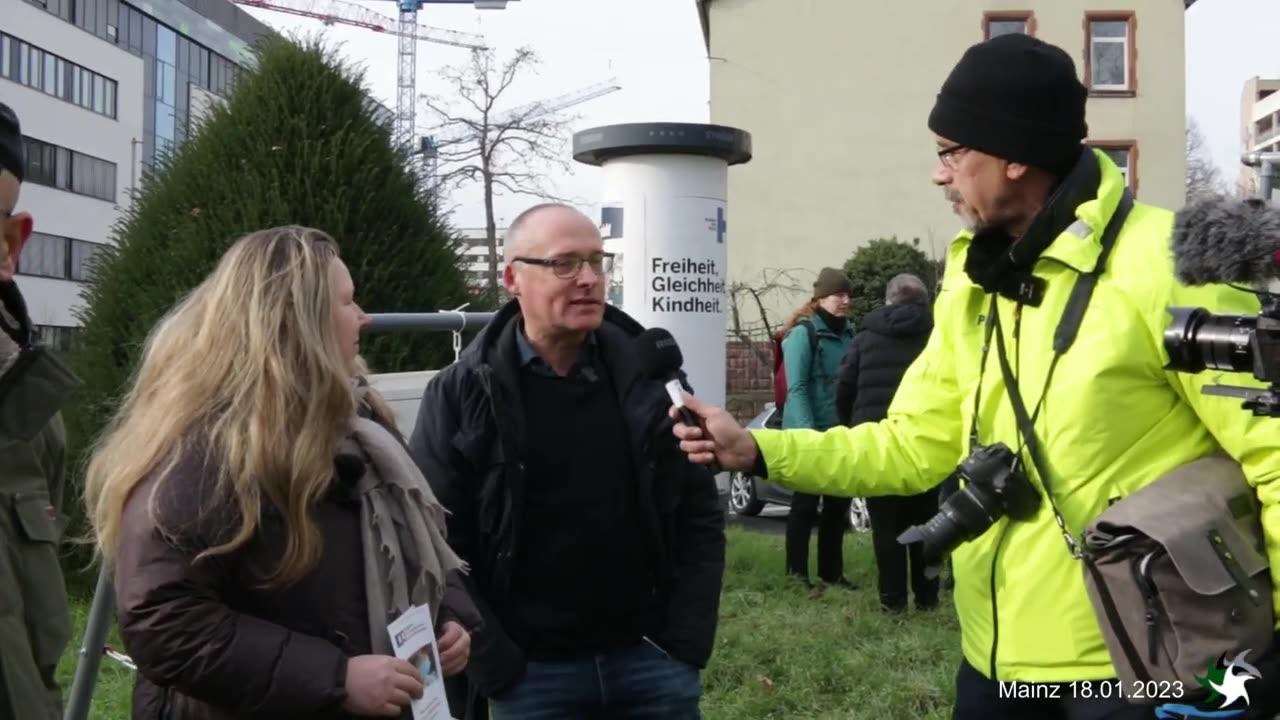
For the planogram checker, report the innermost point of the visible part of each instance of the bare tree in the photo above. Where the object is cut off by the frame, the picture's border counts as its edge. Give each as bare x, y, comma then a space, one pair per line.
760, 293
1203, 176
509, 151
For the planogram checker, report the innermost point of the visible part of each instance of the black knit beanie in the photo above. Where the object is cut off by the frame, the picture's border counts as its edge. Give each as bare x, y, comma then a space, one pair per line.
11, 148
1017, 98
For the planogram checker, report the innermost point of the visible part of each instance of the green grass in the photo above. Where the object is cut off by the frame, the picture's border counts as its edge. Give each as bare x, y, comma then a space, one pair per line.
785, 652
781, 651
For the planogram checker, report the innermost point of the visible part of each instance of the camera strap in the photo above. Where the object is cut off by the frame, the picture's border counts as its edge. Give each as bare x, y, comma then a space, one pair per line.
1064, 337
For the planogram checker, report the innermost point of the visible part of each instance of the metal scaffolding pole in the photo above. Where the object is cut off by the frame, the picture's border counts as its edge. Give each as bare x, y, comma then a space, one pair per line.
449, 321
91, 648
1266, 162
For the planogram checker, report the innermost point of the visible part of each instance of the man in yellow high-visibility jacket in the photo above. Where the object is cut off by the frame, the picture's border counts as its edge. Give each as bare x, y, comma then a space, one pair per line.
1009, 124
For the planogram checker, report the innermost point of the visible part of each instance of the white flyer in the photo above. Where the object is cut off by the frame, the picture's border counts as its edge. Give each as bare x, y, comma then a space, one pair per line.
414, 639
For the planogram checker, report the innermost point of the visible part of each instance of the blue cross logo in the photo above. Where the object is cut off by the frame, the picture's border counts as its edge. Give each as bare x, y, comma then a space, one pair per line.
720, 225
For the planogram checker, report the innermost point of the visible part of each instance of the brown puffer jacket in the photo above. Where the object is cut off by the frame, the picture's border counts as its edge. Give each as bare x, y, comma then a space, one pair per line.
209, 641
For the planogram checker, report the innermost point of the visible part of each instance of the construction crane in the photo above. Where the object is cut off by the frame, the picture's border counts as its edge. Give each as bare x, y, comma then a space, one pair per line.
406, 76
439, 136
407, 29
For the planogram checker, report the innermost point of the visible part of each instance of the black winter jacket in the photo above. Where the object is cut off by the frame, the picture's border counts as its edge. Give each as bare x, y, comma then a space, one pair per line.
890, 339
467, 442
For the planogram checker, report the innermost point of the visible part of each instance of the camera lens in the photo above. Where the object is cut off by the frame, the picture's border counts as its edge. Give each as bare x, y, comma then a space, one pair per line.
966, 514
1198, 339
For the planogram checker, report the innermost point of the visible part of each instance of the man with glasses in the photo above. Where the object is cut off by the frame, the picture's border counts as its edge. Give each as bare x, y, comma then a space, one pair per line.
596, 548
35, 623
1091, 417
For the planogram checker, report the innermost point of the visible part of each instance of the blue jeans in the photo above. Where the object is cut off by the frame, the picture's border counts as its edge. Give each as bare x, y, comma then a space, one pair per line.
640, 682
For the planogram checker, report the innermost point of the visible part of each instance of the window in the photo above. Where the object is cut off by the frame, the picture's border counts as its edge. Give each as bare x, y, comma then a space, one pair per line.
135, 31
1124, 153
1110, 53
24, 64
57, 338
49, 73
99, 95
41, 163
50, 81
44, 255
55, 256
82, 256
1007, 23
65, 169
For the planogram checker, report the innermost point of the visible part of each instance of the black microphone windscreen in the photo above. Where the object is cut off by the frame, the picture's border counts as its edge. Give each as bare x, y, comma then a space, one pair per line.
1225, 240
659, 354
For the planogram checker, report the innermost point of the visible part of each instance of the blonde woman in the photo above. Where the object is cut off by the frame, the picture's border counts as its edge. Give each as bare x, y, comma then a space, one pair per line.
261, 515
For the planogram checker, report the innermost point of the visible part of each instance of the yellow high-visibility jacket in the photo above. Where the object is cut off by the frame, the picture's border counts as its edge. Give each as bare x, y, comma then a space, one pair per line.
1114, 419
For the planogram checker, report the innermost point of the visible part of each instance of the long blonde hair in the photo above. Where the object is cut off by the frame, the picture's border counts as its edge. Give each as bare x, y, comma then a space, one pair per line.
247, 369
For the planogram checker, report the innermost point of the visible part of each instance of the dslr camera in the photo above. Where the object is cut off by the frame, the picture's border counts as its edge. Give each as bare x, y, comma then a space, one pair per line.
993, 485
1198, 340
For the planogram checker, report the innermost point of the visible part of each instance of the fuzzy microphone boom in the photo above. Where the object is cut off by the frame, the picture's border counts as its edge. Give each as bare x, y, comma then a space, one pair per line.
1224, 240
1235, 242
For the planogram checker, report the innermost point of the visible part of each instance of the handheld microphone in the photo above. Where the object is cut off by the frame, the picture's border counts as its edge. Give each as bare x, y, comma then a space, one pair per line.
661, 359
1226, 240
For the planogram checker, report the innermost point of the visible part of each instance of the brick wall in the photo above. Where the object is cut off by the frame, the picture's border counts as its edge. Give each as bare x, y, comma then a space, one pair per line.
748, 377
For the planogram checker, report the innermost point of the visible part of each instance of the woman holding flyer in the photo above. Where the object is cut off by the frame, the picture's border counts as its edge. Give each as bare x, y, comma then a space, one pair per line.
263, 519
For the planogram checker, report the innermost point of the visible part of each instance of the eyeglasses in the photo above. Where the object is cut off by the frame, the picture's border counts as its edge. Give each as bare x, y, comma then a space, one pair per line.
948, 156
567, 267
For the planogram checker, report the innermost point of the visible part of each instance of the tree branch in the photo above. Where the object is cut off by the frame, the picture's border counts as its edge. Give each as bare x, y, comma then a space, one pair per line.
510, 153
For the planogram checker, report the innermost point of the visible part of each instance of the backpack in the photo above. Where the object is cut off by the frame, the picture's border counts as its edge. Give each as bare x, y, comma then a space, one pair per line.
780, 368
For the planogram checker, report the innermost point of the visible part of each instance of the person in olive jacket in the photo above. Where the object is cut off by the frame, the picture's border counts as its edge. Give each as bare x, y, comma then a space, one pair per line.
35, 622
889, 340
811, 403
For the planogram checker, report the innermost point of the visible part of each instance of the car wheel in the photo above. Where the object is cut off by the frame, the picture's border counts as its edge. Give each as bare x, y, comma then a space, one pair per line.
742, 495
859, 517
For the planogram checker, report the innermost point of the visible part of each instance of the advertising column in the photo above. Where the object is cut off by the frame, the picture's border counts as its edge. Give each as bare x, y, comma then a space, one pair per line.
664, 215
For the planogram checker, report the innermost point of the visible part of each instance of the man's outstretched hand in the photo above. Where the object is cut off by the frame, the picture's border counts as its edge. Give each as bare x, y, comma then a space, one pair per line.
723, 442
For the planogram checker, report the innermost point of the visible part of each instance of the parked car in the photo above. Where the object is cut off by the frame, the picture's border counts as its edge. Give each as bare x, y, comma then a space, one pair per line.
749, 494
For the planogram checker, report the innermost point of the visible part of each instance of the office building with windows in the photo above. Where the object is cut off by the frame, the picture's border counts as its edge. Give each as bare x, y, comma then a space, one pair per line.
101, 87
836, 96
474, 248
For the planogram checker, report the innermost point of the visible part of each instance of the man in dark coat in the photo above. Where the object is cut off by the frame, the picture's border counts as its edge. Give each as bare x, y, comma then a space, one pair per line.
888, 342
596, 548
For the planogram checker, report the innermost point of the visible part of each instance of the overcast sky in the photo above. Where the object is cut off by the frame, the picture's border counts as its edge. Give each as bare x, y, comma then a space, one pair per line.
1228, 42
653, 48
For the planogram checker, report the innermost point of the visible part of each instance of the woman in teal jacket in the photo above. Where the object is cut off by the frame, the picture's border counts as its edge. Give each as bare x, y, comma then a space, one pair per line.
811, 403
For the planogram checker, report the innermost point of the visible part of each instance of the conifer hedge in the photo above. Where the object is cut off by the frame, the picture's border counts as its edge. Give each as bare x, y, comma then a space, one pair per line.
873, 265
297, 142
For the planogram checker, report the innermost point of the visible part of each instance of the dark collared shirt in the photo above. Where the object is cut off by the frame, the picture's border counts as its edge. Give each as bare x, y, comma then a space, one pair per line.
586, 368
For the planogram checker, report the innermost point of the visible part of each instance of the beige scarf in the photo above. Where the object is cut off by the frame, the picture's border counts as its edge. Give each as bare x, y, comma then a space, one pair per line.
402, 530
